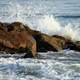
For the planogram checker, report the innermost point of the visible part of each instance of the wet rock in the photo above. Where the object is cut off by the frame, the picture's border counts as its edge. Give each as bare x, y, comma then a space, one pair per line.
57, 42
69, 44
76, 46
22, 38
54, 43
3, 27
48, 43
17, 39
4, 37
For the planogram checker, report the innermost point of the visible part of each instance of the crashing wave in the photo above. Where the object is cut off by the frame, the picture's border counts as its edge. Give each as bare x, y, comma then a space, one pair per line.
50, 25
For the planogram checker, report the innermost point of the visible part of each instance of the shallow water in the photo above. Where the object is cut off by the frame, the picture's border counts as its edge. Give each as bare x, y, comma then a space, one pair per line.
64, 65
60, 17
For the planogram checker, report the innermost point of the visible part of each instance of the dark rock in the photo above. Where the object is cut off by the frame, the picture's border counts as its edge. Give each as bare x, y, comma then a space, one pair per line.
19, 38
57, 42
16, 38
3, 26
76, 46
48, 43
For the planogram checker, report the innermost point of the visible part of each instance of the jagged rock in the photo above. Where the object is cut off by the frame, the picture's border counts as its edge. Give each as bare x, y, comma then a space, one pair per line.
2, 27
4, 37
62, 43
58, 43
54, 43
17, 37
76, 46
48, 43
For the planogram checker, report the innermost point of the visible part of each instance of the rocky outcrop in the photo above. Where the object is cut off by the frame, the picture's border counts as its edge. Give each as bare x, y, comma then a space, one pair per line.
76, 46
19, 38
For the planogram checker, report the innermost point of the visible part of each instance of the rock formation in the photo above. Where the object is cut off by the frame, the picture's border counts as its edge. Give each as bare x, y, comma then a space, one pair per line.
17, 37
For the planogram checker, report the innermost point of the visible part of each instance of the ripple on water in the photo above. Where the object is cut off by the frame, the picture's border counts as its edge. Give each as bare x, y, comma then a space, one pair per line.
41, 69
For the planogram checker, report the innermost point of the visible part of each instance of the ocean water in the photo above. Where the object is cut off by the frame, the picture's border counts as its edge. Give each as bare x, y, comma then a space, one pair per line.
61, 17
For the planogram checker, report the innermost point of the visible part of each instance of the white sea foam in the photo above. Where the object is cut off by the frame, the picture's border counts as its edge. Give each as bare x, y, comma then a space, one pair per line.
50, 66
51, 26
35, 69
45, 23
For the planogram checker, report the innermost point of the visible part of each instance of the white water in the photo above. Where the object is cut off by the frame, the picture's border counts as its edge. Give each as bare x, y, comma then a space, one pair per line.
50, 66
41, 15
44, 23
51, 26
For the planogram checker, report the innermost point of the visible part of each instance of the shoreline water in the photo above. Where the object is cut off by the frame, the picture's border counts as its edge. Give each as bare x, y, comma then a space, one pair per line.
47, 16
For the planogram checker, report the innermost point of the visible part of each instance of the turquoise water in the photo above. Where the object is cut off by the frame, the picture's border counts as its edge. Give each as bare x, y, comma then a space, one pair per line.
60, 17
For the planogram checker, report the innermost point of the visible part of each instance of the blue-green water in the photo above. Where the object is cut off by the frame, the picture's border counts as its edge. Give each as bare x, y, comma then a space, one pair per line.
60, 17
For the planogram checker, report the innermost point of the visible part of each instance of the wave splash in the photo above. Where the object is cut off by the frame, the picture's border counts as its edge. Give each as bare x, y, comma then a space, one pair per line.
50, 25
66, 67
44, 23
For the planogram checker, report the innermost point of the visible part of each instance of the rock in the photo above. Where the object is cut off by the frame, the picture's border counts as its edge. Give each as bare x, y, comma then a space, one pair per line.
76, 46
21, 38
17, 39
64, 42
4, 37
52, 43
2, 26
48, 43
58, 43
69, 44
16, 26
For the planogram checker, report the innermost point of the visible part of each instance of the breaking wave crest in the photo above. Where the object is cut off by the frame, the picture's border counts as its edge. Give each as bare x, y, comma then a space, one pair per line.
36, 20
51, 26
64, 65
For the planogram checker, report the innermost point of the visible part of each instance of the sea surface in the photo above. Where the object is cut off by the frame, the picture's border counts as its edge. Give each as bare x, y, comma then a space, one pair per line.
61, 17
